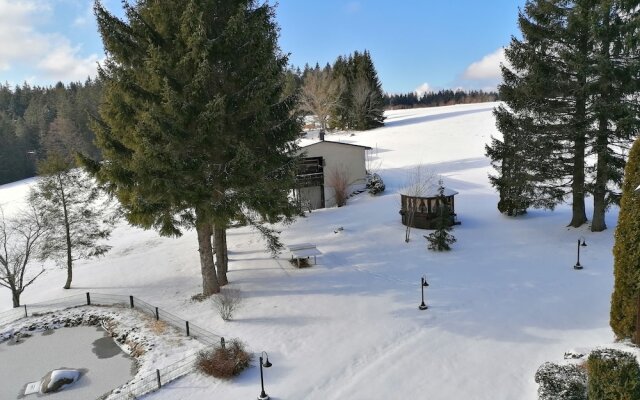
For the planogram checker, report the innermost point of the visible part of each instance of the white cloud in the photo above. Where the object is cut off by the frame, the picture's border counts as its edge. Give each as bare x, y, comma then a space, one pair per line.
486, 68
49, 56
64, 64
422, 89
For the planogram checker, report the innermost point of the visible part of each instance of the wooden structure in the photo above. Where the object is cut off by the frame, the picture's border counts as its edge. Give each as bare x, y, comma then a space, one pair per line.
321, 159
421, 211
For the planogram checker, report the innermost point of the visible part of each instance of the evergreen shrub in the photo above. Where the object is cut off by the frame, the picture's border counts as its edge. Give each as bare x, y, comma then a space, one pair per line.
626, 252
561, 382
375, 184
613, 375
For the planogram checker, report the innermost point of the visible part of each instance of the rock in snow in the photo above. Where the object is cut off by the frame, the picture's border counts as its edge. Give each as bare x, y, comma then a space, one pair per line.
59, 379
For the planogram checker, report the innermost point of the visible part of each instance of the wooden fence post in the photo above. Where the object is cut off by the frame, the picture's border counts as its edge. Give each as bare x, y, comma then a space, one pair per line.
25, 311
131, 301
187, 324
88, 299
158, 378
157, 314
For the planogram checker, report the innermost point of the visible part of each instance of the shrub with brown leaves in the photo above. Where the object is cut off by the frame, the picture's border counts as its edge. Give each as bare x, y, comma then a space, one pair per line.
224, 362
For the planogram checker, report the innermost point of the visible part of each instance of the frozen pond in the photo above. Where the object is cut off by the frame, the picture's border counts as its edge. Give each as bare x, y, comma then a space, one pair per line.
88, 348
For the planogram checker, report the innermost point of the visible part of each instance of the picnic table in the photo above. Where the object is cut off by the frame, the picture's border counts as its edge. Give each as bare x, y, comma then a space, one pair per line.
303, 250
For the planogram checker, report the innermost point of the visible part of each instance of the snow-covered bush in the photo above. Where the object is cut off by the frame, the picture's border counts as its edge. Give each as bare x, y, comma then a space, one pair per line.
224, 361
375, 184
227, 302
561, 382
613, 374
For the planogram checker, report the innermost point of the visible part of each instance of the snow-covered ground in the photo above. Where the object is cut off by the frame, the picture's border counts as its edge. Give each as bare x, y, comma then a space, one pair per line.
505, 300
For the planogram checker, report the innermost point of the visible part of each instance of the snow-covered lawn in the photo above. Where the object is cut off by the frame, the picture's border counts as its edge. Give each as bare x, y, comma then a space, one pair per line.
505, 300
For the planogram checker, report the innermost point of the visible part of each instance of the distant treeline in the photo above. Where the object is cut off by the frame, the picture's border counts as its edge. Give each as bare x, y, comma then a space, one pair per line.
37, 120
436, 99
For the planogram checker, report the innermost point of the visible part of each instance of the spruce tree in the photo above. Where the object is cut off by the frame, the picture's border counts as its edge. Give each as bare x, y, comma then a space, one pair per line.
366, 94
544, 90
626, 252
614, 88
193, 127
341, 114
573, 81
441, 239
360, 100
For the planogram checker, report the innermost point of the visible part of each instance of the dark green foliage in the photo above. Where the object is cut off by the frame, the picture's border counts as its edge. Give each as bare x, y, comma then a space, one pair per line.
349, 93
437, 99
441, 239
361, 103
541, 157
194, 124
626, 252
375, 184
613, 375
561, 382
35, 121
614, 89
521, 163
570, 90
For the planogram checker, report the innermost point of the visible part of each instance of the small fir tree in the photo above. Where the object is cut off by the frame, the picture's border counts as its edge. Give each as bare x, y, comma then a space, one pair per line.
626, 266
441, 239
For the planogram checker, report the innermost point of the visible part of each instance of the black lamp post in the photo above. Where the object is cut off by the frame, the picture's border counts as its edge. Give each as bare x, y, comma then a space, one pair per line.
578, 266
266, 364
423, 284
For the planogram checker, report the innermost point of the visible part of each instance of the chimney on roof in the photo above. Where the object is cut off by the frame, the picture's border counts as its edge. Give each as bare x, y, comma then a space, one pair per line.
321, 135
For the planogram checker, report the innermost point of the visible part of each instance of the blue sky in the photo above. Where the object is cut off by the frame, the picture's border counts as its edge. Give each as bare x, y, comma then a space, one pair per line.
415, 44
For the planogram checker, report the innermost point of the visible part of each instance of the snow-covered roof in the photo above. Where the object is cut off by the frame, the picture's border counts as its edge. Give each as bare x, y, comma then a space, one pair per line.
331, 142
430, 191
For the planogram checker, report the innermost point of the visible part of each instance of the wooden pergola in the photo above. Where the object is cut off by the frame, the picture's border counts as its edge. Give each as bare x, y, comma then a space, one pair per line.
421, 211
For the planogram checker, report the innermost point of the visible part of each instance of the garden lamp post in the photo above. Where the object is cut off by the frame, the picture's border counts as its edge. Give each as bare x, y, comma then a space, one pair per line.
578, 266
266, 364
423, 284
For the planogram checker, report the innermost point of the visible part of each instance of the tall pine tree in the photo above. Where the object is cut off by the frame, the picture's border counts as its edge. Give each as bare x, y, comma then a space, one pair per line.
570, 89
194, 128
614, 87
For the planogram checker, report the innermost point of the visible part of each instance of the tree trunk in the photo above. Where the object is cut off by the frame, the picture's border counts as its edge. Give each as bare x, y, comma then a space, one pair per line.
15, 297
602, 177
579, 215
602, 139
209, 280
67, 231
222, 259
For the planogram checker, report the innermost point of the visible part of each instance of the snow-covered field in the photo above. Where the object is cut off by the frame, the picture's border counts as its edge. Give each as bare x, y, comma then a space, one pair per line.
505, 300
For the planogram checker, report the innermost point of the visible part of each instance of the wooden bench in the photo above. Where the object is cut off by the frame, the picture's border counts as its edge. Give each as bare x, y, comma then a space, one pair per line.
303, 250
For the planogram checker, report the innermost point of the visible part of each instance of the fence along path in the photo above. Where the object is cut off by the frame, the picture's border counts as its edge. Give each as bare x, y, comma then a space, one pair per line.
139, 386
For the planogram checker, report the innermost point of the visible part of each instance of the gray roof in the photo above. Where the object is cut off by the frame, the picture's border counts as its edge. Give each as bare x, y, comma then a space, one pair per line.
432, 191
342, 143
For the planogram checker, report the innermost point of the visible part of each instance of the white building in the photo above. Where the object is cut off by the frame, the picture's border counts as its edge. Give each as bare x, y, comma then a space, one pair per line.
325, 164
